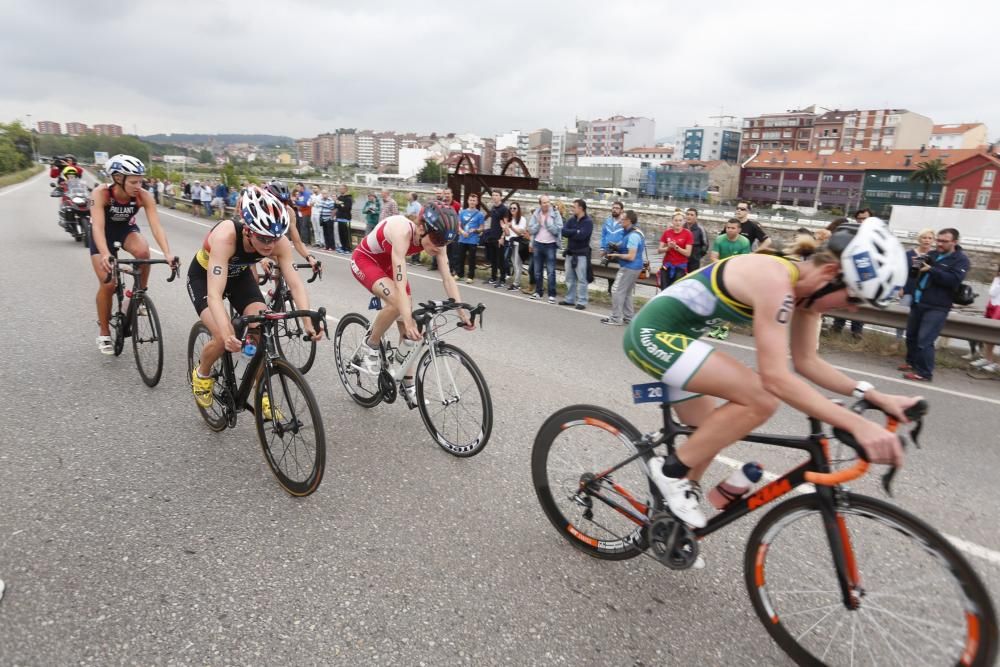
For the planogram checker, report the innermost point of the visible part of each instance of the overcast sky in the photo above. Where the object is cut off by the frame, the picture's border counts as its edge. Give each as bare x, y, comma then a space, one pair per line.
301, 67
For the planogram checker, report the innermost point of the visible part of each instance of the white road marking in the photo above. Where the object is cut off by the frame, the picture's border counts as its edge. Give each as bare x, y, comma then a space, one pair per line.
28, 182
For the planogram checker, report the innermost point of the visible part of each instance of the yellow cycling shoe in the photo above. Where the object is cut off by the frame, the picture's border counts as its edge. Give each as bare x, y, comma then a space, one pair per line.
265, 408
202, 389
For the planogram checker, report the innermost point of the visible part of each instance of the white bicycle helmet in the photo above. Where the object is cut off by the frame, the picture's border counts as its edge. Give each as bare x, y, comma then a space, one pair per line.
262, 212
872, 261
125, 165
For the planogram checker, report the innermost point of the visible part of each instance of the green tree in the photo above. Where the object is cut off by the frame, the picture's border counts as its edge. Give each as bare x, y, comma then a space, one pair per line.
205, 156
18, 140
157, 171
931, 172
10, 159
432, 172
229, 176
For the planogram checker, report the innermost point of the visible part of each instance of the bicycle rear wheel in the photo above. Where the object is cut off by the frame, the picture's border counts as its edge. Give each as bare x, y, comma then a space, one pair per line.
290, 428
215, 416
352, 330
453, 400
290, 337
147, 341
575, 445
918, 599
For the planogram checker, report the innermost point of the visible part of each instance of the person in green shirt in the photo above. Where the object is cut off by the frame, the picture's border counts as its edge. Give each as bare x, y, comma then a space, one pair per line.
731, 243
726, 245
371, 211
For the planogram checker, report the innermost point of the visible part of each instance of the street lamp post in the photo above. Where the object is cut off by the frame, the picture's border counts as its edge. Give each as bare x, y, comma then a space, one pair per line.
31, 136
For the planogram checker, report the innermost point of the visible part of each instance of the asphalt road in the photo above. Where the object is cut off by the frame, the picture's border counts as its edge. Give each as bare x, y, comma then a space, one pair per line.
131, 534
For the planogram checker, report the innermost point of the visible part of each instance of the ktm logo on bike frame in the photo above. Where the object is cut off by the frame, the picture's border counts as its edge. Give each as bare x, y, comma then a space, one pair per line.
775, 489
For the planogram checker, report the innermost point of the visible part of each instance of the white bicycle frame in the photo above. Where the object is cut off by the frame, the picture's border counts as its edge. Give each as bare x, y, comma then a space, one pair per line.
398, 372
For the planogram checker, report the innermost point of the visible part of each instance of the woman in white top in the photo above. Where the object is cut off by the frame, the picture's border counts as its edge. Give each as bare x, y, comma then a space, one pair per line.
314, 202
517, 239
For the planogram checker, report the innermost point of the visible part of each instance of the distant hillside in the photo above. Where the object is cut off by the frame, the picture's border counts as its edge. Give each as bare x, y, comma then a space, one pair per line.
256, 139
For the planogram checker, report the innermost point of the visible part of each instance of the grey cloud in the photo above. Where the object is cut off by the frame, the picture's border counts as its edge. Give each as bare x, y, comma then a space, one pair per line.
304, 67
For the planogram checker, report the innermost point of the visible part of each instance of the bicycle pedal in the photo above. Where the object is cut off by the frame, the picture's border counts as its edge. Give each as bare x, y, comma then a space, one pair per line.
672, 542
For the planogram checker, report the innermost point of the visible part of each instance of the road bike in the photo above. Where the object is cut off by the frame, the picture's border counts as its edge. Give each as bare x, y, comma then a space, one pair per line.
893, 590
450, 391
292, 341
134, 316
289, 425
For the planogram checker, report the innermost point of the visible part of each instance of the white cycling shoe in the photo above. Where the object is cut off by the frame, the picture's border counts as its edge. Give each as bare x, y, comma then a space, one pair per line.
367, 360
104, 345
682, 496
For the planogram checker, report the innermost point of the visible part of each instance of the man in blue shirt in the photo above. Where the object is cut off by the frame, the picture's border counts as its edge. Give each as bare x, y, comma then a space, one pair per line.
941, 273
471, 223
611, 236
303, 213
631, 258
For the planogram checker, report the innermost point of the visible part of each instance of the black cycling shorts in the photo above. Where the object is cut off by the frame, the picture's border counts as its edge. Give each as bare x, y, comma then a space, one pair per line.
241, 290
114, 232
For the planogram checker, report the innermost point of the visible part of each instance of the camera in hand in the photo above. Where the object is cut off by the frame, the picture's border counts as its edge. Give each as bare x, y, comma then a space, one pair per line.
612, 247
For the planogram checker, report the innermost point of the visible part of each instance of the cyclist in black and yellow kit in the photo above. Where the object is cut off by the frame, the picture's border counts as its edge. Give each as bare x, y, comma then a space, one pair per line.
222, 269
783, 298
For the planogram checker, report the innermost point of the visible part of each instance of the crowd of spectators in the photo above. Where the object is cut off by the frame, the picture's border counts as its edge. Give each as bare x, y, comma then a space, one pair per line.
519, 242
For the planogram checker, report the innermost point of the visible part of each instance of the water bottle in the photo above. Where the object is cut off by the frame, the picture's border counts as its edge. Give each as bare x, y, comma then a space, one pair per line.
249, 350
404, 350
736, 485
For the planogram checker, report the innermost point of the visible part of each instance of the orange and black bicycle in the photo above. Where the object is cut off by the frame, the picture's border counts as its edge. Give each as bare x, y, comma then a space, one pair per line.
894, 592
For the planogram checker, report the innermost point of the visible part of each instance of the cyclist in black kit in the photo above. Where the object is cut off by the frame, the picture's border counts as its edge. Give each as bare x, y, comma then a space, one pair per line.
112, 217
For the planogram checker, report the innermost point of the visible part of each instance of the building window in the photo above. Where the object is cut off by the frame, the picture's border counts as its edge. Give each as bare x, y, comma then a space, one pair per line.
958, 201
983, 199
988, 177
828, 177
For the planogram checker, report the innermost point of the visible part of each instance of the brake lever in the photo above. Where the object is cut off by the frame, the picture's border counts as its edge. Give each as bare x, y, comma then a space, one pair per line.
916, 412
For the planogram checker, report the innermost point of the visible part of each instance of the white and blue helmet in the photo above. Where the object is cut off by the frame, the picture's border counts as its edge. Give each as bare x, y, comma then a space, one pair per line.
872, 261
125, 165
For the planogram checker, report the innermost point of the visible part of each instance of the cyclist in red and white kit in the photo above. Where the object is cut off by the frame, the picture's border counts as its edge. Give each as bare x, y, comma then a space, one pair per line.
379, 263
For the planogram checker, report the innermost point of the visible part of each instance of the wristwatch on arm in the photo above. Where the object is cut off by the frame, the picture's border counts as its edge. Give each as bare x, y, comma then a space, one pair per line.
861, 389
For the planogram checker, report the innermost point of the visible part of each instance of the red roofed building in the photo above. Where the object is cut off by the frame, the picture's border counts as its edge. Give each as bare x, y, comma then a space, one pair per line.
843, 179
973, 182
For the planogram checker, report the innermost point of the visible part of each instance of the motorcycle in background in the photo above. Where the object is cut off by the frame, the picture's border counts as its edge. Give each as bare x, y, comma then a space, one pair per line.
74, 209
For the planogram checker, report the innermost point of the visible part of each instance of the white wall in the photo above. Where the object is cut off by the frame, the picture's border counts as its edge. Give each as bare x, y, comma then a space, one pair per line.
412, 160
971, 223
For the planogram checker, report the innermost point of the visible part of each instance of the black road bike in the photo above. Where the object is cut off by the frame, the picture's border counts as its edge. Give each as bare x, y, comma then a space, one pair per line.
450, 390
293, 343
134, 316
289, 424
891, 590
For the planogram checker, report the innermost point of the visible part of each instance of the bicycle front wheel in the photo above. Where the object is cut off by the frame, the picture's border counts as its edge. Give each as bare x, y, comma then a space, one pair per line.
918, 601
147, 340
362, 386
604, 519
290, 428
453, 400
290, 337
216, 415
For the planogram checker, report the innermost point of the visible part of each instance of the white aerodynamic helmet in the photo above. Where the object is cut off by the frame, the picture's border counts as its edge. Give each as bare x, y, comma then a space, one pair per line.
262, 212
872, 261
124, 164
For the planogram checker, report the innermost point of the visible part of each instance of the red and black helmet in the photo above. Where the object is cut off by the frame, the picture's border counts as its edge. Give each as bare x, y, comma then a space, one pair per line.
440, 221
